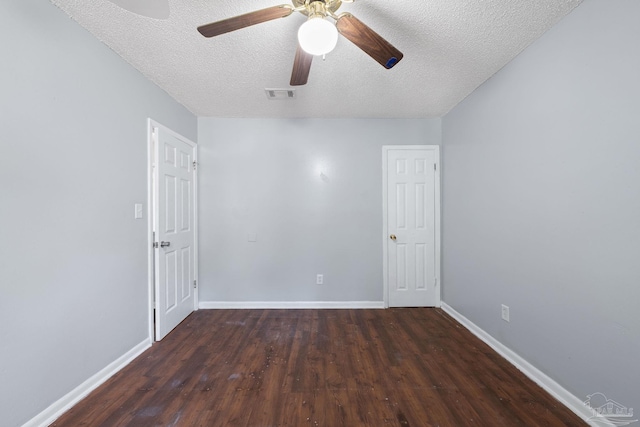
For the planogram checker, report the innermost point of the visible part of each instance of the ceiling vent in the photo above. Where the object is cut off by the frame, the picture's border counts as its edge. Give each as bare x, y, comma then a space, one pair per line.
280, 94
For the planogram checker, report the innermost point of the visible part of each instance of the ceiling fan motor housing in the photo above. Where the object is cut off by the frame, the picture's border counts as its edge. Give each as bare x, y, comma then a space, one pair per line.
310, 6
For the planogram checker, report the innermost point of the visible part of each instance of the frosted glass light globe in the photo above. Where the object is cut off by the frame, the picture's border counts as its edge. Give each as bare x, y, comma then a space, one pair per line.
318, 36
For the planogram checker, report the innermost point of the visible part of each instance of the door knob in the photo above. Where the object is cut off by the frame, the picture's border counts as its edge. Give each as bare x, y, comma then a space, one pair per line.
165, 244
393, 237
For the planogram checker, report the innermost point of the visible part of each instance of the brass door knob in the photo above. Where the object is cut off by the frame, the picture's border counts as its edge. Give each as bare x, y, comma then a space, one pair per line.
393, 237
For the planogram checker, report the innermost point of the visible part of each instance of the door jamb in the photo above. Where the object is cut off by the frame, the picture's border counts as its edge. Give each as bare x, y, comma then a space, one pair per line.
437, 208
152, 127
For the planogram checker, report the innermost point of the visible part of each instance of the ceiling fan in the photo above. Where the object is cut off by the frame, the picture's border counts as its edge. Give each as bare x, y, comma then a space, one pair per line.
317, 36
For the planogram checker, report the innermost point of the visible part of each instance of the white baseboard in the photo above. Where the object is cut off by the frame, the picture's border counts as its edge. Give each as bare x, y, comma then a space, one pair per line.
62, 405
543, 380
289, 304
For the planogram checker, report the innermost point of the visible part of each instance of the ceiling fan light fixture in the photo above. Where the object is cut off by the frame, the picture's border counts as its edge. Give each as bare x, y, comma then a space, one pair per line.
317, 36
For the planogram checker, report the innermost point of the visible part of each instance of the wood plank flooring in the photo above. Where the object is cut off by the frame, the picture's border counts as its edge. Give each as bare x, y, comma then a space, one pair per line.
268, 368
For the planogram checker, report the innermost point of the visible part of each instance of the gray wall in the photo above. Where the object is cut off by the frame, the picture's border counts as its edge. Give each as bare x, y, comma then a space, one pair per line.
73, 281
263, 177
541, 207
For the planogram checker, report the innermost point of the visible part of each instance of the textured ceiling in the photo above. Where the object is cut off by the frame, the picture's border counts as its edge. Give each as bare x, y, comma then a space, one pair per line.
450, 47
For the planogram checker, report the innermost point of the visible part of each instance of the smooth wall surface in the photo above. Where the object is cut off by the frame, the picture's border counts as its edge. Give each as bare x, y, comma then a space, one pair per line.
309, 192
541, 203
73, 162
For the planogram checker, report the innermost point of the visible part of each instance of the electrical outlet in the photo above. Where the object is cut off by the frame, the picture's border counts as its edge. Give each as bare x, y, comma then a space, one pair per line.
319, 279
505, 313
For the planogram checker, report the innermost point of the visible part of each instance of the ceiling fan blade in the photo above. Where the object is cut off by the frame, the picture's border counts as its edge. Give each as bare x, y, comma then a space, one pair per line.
246, 20
368, 40
301, 67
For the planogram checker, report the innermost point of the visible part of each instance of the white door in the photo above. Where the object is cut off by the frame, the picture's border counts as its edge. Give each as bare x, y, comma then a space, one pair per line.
174, 225
411, 229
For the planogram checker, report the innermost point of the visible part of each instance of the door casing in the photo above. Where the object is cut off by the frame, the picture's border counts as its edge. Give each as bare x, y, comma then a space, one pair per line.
385, 230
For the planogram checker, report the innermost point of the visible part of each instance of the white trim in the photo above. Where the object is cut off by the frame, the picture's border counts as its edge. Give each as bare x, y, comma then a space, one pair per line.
437, 213
385, 228
290, 304
543, 380
196, 276
152, 124
62, 405
150, 255
437, 209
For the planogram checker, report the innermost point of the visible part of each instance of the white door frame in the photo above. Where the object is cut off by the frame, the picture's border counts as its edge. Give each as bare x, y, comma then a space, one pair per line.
385, 231
152, 127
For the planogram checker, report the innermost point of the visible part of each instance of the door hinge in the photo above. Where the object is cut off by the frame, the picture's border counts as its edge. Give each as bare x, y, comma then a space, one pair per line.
194, 284
155, 244
195, 165
435, 167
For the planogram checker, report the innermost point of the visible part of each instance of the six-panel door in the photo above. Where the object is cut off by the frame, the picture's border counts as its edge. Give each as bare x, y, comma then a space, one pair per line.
175, 232
411, 243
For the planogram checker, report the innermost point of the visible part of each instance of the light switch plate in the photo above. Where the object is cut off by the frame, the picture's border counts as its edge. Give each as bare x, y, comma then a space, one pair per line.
138, 211
505, 313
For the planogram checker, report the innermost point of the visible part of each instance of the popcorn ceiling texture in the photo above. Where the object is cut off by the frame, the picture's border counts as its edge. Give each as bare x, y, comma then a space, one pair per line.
450, 47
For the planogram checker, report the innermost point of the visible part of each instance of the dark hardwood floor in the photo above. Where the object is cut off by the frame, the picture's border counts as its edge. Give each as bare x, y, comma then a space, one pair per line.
267, 368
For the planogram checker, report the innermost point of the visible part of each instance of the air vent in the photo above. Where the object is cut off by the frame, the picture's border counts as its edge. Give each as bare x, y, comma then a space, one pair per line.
280, 94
